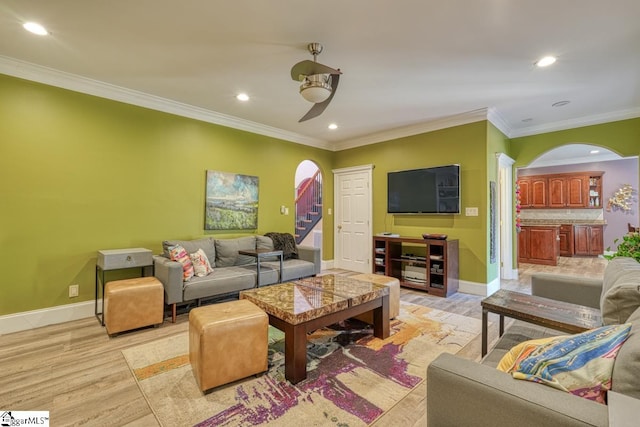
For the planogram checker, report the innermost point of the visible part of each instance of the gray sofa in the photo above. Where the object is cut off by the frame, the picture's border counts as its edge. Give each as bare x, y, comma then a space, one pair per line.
461, 392
233, 272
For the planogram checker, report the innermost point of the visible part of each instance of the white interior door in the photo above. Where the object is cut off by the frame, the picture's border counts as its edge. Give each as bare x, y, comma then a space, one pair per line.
352, 248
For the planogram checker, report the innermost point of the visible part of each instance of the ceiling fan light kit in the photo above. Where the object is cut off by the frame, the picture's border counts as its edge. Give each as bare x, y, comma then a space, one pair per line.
319, 82
316, 88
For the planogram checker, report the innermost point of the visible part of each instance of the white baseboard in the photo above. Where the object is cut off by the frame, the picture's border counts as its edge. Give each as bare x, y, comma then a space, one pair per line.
48, 316
510, 273
475, 288
326, 265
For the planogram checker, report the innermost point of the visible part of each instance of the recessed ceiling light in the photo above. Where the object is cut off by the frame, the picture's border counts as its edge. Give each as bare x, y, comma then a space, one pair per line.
242, 97
546, 61
35, 28
333, 126
594, 151
560, 103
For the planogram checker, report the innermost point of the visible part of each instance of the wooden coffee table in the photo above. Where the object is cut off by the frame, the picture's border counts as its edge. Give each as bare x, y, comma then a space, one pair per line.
309, 304
559, 315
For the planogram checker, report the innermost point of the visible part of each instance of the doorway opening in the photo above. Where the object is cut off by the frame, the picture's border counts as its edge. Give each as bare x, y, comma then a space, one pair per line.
308, 205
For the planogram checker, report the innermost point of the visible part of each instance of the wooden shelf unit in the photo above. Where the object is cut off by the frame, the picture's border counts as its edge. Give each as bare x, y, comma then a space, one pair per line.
436, 259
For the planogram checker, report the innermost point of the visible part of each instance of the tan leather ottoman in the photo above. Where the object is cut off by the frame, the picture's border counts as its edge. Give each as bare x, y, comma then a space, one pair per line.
394, 294
227, 342
133, 303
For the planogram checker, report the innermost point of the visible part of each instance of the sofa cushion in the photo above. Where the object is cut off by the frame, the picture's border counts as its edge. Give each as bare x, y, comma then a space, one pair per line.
620, 290
192, 246
626, 369
247, 243
226, 252
266, 244
581, 364
223, 281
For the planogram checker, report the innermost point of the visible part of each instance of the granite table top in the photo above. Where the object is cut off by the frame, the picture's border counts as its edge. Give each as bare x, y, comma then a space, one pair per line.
307, 299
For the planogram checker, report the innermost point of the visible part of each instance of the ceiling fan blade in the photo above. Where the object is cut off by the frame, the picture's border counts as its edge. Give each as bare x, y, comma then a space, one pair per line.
319, 108
308, 67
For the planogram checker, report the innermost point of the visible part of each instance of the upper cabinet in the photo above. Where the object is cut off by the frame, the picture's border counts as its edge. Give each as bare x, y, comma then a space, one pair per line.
575, 190
533, 192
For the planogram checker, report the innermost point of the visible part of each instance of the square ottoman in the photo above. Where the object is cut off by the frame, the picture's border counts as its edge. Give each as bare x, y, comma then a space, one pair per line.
227, 342
133, 303
394, 294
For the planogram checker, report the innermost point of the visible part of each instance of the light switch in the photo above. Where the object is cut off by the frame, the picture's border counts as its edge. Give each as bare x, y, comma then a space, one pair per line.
471, 211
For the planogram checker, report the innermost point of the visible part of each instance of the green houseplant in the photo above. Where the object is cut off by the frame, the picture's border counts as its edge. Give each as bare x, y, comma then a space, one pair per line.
629, 247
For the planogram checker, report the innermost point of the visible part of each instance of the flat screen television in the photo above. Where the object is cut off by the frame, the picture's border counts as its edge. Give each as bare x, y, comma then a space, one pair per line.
433, 190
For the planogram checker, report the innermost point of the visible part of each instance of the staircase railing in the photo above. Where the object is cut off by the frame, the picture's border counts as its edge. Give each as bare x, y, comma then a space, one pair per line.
308, 205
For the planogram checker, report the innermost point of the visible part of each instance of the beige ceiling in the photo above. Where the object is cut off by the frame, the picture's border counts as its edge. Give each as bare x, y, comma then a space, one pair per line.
407, 64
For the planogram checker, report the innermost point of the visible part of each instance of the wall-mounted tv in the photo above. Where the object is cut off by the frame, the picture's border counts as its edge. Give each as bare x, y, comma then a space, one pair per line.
433, 190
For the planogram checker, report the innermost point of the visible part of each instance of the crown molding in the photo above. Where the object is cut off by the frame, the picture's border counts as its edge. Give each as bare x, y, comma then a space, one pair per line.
401, 132
597, 119
49, 76
498, 121
73, 82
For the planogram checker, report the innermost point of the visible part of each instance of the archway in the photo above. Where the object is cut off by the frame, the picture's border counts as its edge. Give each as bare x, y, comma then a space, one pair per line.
577, 157
308, 204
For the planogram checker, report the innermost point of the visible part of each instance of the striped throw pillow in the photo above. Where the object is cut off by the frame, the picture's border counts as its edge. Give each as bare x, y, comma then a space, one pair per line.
581, 364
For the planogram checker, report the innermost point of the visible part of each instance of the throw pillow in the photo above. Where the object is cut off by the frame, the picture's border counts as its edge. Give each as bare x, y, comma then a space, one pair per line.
522, 350
201, 265
580, 364
179, 254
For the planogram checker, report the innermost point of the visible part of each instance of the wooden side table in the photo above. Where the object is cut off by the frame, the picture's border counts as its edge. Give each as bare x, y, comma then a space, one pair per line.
260, 254
549, 313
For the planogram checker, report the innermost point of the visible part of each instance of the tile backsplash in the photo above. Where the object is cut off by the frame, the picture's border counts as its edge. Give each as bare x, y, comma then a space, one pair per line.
563, 214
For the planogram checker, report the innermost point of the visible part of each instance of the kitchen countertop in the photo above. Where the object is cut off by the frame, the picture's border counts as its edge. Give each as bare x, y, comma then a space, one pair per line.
554, 222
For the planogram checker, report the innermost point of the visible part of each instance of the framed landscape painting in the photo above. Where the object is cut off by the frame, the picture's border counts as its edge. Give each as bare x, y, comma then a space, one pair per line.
231, 201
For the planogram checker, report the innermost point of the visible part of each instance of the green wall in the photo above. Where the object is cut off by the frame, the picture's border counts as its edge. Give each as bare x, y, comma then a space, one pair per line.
465, 145
81, 173
622, 137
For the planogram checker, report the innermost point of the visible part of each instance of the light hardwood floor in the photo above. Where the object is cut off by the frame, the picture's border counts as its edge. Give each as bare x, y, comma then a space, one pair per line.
77, 372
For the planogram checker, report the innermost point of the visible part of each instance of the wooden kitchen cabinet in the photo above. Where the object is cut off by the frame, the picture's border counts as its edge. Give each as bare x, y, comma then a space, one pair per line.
539, 244
588, 240
595, 191
557, 192
569, 190
577, 191
566, 240
533, 192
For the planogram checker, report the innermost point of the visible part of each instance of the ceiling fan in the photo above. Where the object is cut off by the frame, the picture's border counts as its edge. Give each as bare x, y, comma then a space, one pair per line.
319, 82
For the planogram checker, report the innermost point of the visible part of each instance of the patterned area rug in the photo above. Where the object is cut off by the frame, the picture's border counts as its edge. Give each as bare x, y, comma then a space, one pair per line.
352, 377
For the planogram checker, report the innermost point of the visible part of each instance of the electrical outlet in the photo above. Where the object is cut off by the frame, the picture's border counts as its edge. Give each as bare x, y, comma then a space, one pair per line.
471, 211
73, 291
